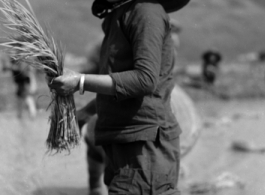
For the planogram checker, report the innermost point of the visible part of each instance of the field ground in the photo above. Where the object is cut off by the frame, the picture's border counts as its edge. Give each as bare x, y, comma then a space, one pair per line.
215, 166
26, 169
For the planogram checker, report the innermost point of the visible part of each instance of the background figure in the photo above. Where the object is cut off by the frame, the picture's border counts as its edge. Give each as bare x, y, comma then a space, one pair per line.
210, 66
93, 58
93, 54
175, 30
261, 56
25, 81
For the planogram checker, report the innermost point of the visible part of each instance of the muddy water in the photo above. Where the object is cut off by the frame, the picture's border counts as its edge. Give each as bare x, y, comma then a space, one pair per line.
213, 157
25, 169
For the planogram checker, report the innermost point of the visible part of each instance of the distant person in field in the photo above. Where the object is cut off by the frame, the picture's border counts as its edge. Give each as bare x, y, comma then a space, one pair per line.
25, 81
93, 57
210, 66
133, 82
175, 31
261, 56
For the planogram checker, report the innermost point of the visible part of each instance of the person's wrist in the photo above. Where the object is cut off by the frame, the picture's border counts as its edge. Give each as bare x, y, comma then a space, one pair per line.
81, 84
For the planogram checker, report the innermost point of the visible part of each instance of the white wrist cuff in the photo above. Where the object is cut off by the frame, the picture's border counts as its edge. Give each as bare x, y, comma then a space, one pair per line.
81, 84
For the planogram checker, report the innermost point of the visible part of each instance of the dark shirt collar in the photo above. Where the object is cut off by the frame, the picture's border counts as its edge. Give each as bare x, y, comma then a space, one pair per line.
101, 8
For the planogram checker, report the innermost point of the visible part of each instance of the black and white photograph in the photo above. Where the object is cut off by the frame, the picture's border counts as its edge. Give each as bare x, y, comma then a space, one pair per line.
132, 97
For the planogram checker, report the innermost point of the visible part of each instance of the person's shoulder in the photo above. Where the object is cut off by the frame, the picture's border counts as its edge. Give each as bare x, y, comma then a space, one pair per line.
145, 11
150, 7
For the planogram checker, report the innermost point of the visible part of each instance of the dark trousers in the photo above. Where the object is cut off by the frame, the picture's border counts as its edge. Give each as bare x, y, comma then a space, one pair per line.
143, 167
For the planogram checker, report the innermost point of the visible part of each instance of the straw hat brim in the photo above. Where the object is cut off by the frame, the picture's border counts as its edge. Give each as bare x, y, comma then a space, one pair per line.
173, 5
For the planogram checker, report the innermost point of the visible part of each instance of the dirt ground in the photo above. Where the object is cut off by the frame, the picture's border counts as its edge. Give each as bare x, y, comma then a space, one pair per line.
212, 167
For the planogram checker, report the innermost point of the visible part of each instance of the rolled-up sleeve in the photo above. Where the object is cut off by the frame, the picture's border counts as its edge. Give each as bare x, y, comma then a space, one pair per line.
145, 29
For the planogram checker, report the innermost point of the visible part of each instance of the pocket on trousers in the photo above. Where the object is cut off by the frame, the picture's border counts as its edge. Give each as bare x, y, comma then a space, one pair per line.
121, 183
171, 192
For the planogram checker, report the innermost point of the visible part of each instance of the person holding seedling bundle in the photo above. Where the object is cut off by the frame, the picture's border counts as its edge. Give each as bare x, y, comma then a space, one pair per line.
136, 128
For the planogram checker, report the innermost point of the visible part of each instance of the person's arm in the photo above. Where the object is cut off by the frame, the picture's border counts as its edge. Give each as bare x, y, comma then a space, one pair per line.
84, 114
145, 29
69, 83
102, 84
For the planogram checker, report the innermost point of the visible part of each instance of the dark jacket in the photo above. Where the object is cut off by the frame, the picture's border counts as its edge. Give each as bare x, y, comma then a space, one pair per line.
138, 53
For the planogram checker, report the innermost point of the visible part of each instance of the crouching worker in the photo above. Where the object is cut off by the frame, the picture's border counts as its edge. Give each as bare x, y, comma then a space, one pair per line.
135, 126
210, 66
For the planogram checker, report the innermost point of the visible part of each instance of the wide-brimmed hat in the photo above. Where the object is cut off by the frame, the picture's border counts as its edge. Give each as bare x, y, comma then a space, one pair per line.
101, 8
173, 5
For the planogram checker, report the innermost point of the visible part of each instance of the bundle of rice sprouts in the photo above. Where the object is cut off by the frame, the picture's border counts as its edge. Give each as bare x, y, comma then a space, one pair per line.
28, 42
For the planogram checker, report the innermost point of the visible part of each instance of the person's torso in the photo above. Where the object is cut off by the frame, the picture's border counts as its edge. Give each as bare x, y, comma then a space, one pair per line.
135, 118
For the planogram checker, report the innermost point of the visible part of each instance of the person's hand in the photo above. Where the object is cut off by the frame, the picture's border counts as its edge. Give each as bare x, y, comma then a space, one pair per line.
66, 84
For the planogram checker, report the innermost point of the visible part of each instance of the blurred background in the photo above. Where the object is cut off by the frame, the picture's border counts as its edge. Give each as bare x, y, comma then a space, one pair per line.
228, 157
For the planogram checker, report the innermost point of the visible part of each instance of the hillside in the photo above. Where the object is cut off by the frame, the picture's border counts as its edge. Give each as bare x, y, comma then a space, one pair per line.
233, 26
